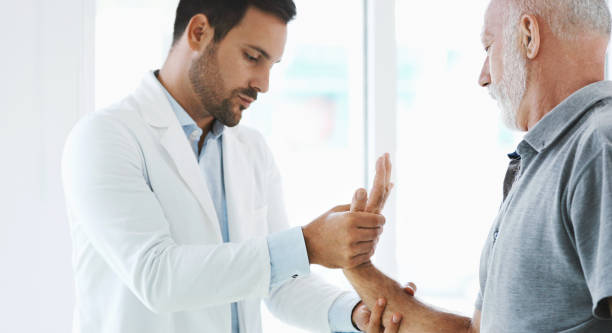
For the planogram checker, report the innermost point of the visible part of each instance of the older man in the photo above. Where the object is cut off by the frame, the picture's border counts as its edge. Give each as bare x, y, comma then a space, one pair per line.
547, 263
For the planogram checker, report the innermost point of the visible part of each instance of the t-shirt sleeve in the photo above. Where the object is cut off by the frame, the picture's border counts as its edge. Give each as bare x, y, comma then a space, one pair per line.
590, 209
478, 303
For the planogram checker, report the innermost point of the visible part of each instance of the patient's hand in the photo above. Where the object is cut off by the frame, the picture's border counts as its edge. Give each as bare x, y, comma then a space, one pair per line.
381, 188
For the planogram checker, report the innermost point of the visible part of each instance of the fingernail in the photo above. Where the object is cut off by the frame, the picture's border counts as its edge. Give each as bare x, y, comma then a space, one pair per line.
361, 194
396, 318
381, 302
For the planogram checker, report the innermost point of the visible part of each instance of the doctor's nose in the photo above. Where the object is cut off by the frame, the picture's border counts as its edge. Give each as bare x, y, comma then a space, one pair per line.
261, 82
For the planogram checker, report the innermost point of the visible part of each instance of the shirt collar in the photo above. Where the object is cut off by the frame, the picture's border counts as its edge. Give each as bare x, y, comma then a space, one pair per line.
557, 121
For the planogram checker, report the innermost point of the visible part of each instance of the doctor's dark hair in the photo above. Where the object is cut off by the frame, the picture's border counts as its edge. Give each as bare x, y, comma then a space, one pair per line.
223, 15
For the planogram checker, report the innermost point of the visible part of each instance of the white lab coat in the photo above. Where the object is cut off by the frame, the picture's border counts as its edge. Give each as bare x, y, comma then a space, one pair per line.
147, 248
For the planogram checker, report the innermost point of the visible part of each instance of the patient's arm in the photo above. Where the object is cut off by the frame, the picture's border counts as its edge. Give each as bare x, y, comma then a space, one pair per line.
371, 284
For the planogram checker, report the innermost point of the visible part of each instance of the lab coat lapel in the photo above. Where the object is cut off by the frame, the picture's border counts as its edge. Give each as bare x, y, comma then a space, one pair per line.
158, 113
238, 174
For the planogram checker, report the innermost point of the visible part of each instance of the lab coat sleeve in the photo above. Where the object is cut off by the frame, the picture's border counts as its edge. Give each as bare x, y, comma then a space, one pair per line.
108, 198
303, 302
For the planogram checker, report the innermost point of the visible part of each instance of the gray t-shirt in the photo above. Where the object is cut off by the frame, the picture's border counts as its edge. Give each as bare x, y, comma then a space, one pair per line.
547, 262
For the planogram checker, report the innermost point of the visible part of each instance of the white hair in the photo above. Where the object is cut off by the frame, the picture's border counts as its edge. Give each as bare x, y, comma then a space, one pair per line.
567, 18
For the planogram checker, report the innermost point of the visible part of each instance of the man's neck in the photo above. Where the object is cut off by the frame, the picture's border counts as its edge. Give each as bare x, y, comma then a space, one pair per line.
169, 78
558, 72
542, 99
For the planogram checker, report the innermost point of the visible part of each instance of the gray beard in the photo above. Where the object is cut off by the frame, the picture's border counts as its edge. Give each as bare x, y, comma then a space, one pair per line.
510, 91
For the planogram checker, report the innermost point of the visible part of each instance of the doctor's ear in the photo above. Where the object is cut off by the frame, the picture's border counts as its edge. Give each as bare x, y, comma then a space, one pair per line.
199, 33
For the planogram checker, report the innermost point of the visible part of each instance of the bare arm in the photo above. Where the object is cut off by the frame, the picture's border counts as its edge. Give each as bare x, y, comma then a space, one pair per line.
371, 284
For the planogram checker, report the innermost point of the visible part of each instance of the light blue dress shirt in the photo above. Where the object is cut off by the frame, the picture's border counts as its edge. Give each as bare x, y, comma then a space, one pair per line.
288, 255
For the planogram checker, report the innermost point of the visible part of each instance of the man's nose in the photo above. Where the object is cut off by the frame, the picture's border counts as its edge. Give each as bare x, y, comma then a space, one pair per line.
261, 82
485, 75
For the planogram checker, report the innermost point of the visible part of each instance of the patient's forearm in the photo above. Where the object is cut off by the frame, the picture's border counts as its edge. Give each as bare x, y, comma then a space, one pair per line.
371, 284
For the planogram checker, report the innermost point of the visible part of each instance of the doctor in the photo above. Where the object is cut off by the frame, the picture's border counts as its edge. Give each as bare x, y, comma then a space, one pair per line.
176, 213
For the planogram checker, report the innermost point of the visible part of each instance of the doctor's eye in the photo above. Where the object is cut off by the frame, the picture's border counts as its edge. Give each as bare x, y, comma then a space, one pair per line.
250, 58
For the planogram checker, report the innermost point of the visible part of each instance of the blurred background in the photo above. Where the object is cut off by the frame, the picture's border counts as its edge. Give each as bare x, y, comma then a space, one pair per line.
358, 78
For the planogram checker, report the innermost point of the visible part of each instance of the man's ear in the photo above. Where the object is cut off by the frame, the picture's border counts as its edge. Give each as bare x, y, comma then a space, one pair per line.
530, 36
199, 33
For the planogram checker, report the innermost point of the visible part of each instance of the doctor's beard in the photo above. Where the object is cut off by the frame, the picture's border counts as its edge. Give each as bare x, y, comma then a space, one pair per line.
208, 84
510, 91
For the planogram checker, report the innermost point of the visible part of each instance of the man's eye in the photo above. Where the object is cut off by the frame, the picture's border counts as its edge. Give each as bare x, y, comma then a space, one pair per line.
250, 58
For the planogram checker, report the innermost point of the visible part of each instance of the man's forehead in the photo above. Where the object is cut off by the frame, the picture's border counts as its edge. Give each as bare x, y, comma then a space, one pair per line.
492, 20
262, 32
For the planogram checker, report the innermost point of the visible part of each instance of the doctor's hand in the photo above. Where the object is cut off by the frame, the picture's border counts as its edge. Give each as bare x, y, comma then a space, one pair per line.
341, 238
362, 316
375, 324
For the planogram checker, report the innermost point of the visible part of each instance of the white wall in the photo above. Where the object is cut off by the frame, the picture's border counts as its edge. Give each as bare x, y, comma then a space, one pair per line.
42, 94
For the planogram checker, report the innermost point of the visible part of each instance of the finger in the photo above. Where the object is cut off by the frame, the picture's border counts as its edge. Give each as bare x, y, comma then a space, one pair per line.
363, 247
360, 259
362, 317
360, 199
367, 234
412, 286
408, 290
388, 167
387, 193
366, 220
376, 317
395, 323
387, 183
378, 187
341, 208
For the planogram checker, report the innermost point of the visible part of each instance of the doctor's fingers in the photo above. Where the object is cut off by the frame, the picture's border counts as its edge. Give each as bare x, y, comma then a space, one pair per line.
340, 209
363, 248
366, 234
365, 220
393, 327
410, 288
375, 324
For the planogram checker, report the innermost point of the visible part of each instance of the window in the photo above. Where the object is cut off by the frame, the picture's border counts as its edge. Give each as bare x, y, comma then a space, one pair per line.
312, 117
452, 150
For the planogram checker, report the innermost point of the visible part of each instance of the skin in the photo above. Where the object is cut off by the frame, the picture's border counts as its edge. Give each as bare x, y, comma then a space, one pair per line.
218, 80
244, 58
373, 286
556, 68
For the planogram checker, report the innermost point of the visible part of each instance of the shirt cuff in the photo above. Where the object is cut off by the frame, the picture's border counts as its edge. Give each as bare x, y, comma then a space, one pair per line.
341, 312
288, 256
